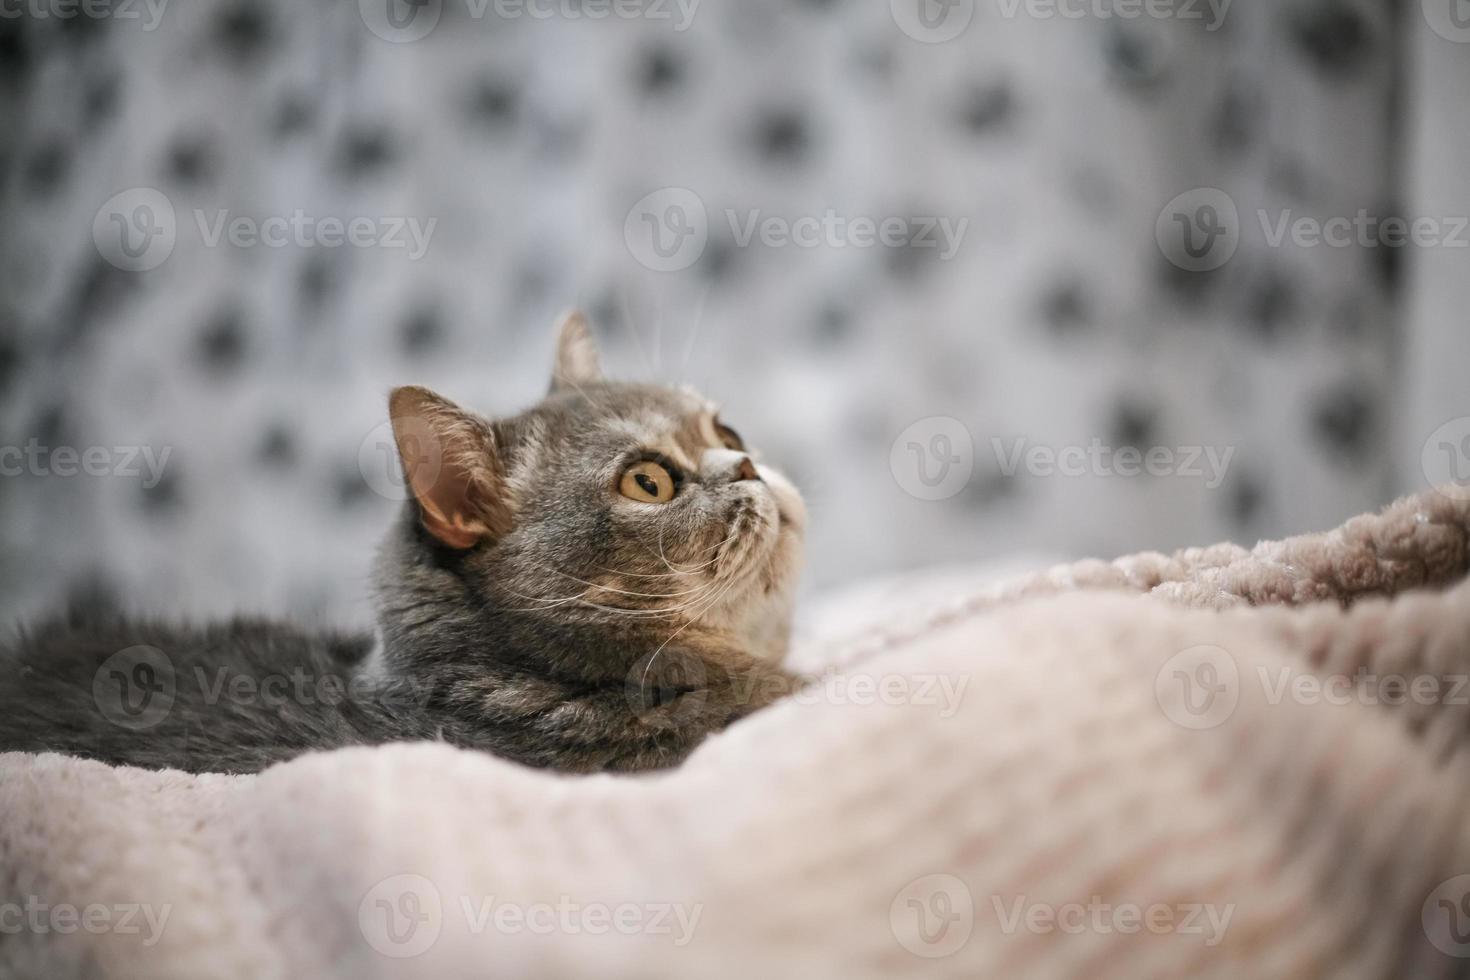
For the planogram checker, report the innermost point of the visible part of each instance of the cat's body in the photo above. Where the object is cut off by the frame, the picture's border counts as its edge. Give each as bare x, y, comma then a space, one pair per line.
595, 584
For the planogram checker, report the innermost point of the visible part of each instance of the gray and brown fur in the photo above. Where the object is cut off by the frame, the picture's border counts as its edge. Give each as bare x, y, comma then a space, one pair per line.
524, 606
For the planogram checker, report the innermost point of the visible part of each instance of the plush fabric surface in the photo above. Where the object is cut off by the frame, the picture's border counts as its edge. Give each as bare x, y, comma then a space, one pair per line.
1079, 768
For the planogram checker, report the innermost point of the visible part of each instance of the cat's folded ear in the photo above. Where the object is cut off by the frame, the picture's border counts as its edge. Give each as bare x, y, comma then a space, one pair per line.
576, 354
452, 467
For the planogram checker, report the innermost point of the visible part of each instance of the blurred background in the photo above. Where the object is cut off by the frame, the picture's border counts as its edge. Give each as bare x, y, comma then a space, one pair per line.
916, 248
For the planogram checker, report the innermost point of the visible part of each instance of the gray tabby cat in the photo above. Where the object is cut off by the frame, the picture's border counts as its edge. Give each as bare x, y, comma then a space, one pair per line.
597, 583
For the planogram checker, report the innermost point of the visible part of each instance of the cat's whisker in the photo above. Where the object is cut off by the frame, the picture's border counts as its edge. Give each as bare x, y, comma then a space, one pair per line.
609, 588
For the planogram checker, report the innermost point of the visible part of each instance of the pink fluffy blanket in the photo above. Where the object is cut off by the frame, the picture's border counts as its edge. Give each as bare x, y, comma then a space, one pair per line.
1221, 763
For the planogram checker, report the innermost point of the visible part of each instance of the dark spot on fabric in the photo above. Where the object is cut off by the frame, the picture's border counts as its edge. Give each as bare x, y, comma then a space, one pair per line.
10, 356
782, 136
988, 109
295, 115
1270, 304
833, 326
15, 52
351, 488
905, 262
558, 139
1064, 307
492, 103
222, 342
1288, 176
717, 260
52, 427
191, 159
277, 447
1132, 425
166, 497
101, 99
660, 71
48, 166
90, 596
315, 283
988, 486
1244, 501
422, 332
1134, 60
1343, 420
876, 61
365, 150
243, 31
1236, 119
606, 314
1331, 34
1387, 262
96, 297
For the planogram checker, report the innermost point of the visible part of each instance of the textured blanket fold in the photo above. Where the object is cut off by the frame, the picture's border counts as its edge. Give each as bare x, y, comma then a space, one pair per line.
1225, 762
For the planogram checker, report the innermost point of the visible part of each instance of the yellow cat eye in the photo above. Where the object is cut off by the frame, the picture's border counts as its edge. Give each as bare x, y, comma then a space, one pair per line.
648, 483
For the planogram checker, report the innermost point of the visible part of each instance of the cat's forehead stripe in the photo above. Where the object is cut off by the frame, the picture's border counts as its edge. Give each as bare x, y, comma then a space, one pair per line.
683, 439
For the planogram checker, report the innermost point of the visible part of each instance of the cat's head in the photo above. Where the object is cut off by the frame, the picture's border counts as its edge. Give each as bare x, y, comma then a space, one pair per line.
629, 507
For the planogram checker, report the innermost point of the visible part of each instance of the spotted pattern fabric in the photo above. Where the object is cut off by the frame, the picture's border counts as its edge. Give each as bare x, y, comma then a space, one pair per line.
920, 251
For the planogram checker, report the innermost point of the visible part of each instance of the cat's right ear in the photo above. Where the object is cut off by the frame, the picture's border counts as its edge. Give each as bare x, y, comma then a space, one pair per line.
577, 363
451, 465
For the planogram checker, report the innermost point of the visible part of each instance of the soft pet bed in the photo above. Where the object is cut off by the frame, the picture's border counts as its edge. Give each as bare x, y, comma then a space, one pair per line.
1224, 763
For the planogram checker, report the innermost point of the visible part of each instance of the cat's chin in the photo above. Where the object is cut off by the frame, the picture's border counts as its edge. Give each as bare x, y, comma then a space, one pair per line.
760, 614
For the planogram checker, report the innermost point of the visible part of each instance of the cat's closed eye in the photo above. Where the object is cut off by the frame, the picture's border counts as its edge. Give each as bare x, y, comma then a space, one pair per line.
647, 482
729, 437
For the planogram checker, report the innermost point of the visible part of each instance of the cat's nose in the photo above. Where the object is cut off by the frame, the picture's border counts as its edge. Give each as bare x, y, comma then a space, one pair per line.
746, 470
